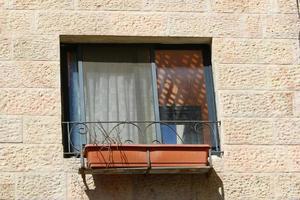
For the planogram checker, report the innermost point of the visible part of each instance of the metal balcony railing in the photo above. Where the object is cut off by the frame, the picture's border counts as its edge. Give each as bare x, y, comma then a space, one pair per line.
78, 134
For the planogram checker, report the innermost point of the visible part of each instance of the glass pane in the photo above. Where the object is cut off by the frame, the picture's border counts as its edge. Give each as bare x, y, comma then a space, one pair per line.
182, 95
118, 91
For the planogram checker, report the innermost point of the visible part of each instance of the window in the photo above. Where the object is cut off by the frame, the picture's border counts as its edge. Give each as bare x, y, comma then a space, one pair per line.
139, 94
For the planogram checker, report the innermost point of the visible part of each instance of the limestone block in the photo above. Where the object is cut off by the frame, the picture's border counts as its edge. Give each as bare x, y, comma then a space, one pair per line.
297, 104
30, 101
76, 188
282, 26
40, 186
10, 129
29, 74
285, 77
21, 22
41, 4
7, 186
216, 25
247, 186
42, 130
25, 157
5, 48
173, 6
4, 20
284, 6
287, 186
36, 47
239, 76
261, 158
108, 23
255, 51
247, 6
247, 131
257, 104
287, 131
110, 4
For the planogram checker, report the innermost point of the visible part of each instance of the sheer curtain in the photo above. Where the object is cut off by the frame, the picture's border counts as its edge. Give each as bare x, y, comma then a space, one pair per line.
118, 92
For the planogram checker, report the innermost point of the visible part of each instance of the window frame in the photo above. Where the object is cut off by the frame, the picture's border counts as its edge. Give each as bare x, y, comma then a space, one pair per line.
76, 49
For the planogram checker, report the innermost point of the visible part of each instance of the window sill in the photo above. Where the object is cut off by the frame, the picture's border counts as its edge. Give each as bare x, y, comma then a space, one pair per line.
147, 159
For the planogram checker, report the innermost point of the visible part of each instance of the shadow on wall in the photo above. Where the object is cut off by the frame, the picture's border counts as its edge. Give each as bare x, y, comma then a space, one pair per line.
136, 187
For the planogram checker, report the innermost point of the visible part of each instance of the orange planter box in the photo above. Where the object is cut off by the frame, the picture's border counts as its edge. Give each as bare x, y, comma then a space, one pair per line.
139, 155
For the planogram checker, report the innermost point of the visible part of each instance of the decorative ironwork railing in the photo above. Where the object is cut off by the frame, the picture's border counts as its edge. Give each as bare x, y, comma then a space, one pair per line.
138, 132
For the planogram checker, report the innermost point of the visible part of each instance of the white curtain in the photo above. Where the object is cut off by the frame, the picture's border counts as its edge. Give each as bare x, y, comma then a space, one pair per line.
118, 92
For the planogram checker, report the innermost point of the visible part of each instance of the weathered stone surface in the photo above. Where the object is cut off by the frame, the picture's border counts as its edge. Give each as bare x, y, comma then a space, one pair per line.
285, 77
40, 186
41, 4
170, 5
5, 48
286, 131
259, 158
282, 26
7, 186
104, 23
29, 74
25, 157
21, 22
111, 4
257, 104
146, 187
247, 131
10, 129
242, 76
29, 101
284, 6
247, 6
42, 130
4, 20
216, 25
297, 104
255, 51
287, 186
247, 186
37, 47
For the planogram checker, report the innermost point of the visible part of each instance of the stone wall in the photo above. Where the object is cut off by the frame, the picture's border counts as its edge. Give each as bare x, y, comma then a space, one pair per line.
255, 56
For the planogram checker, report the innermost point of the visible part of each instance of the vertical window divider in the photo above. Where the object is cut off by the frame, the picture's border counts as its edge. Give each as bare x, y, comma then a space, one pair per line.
155, 97
83, 136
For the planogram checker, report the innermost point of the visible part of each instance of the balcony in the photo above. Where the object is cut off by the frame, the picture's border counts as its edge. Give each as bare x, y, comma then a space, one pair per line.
141, 147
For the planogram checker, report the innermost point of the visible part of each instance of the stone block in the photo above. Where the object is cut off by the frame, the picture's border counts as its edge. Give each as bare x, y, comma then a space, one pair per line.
297, 104
287, 186
241, 6
40, 186
259, 158
247, 186
175, 6
257, 104
285, 77
284, 6
21, 22
29, 74
36, 47
30, 101
104, 23
287, 131
41, 4
25, 157
42, 130
109, 4
4, 20
10, 129
282, 26
76, 188
247, 131
216, 25
7, 186
254, 51
238, 76
5, 48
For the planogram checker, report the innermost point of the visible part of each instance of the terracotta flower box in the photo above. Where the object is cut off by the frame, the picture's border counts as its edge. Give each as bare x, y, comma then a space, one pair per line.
146, 156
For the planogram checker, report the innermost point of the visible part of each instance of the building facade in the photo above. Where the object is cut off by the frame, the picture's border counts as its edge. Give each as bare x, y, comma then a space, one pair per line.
255, 67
